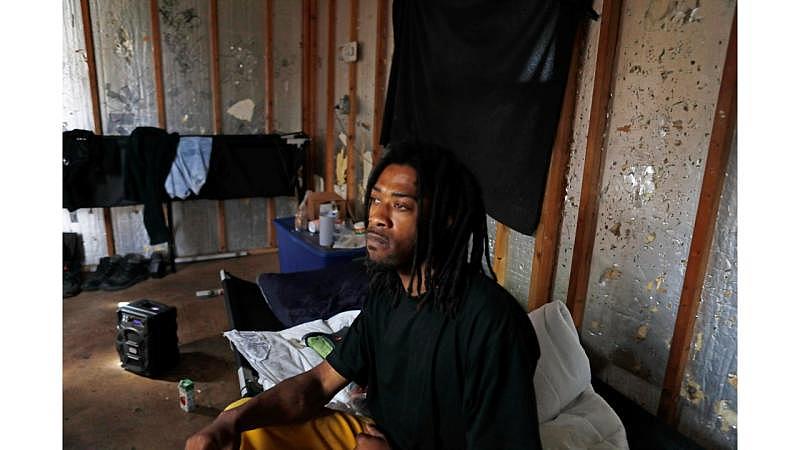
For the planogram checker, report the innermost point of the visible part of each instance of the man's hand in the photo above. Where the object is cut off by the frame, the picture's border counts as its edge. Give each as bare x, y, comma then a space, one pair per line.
371, 439
219, 435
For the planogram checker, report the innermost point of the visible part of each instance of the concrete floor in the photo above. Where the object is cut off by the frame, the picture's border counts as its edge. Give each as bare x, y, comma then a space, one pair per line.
106, 407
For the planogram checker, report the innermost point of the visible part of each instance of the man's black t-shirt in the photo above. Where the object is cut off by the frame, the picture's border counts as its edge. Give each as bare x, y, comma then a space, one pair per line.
435, 382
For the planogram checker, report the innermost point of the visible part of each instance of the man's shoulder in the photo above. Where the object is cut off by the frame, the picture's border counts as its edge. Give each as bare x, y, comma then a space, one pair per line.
486, 299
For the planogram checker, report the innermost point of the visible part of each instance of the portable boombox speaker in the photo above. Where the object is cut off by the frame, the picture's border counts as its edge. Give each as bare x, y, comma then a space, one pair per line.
147, 337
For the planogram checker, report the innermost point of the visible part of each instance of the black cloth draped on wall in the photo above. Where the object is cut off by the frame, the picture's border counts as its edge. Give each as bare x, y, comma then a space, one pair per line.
259, 165
485, 78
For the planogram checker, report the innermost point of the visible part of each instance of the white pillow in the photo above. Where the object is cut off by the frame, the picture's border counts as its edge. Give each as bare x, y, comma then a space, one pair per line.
563, 371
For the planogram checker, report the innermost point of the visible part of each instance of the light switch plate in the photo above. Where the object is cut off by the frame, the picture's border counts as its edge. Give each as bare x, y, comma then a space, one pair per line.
349, 51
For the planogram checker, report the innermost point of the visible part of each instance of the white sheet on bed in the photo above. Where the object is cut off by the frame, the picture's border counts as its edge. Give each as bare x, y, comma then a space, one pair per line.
278, 355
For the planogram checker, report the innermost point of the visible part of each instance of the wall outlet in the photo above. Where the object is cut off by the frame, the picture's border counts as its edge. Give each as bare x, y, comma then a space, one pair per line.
349, 51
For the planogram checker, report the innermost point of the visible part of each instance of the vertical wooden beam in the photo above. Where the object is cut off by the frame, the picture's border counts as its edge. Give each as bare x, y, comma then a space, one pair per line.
88, 37
593, 163
269, 95
330, 86
380, 79
309, 87
549, 229
269, 68
719, 149
216, 101
352, 92
304, 76
313, 14
500, 253
158, 64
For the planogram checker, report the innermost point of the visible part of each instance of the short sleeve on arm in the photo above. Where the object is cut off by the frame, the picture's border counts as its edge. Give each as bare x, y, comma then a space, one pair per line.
500, 402
351, 357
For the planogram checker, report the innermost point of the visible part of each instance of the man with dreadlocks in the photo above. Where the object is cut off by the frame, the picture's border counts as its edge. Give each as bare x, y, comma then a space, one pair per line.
447, 355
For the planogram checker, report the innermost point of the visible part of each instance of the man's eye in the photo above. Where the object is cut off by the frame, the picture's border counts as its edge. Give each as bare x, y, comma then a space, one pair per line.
401, 206
374, 200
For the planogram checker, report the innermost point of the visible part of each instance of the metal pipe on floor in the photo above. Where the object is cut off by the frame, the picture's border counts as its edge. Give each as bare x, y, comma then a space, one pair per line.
185, 259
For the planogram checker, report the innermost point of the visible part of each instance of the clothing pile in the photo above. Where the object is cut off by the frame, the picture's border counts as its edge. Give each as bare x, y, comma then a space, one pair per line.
151, 166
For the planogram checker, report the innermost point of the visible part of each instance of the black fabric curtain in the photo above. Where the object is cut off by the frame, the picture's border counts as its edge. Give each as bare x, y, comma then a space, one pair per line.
485, 78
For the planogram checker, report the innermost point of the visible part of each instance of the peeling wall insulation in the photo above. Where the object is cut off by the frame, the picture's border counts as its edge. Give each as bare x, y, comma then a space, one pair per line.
187, 97
241, 65
124, 53
341, 89
518, 266
77, 114
667, 79
288, 65
321, 82
125, 75
708, 401
89, 224
580, 127
491, 231
518, 260
242, 35
186, 53
365, 112
76, 95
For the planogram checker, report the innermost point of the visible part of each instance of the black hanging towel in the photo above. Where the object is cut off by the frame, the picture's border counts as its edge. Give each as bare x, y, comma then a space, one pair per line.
485, 78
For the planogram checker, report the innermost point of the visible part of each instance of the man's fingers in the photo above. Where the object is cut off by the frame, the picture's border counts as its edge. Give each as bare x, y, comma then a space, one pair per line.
370, 429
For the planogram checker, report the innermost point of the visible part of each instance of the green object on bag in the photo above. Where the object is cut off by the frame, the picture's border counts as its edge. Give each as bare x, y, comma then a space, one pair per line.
321, 344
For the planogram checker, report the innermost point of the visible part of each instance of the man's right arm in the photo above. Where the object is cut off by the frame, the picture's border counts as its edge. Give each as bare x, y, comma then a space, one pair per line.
292, 400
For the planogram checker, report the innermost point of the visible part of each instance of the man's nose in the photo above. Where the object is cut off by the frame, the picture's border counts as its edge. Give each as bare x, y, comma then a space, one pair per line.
379, 217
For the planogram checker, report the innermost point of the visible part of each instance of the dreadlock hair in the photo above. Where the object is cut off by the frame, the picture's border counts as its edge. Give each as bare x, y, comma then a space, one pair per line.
451, 227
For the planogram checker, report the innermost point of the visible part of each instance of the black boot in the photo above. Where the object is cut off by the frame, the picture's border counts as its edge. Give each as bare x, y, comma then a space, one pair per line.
132, 269
108, 265
72, 264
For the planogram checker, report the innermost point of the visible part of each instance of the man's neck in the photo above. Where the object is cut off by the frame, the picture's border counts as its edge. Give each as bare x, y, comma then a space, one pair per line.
405, 278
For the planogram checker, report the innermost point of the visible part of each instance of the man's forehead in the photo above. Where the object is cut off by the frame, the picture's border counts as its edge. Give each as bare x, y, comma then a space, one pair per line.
397, 178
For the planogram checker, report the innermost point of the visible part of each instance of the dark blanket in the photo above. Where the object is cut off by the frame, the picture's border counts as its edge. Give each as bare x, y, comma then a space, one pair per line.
300, 297
485, 78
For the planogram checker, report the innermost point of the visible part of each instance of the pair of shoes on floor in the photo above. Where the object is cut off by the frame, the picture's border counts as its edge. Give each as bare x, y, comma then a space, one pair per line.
115, 273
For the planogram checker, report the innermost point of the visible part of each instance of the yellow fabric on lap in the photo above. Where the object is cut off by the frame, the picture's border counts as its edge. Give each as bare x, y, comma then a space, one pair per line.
332, 430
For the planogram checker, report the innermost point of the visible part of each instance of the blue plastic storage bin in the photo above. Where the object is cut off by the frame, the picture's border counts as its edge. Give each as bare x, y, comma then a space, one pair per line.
300, 251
